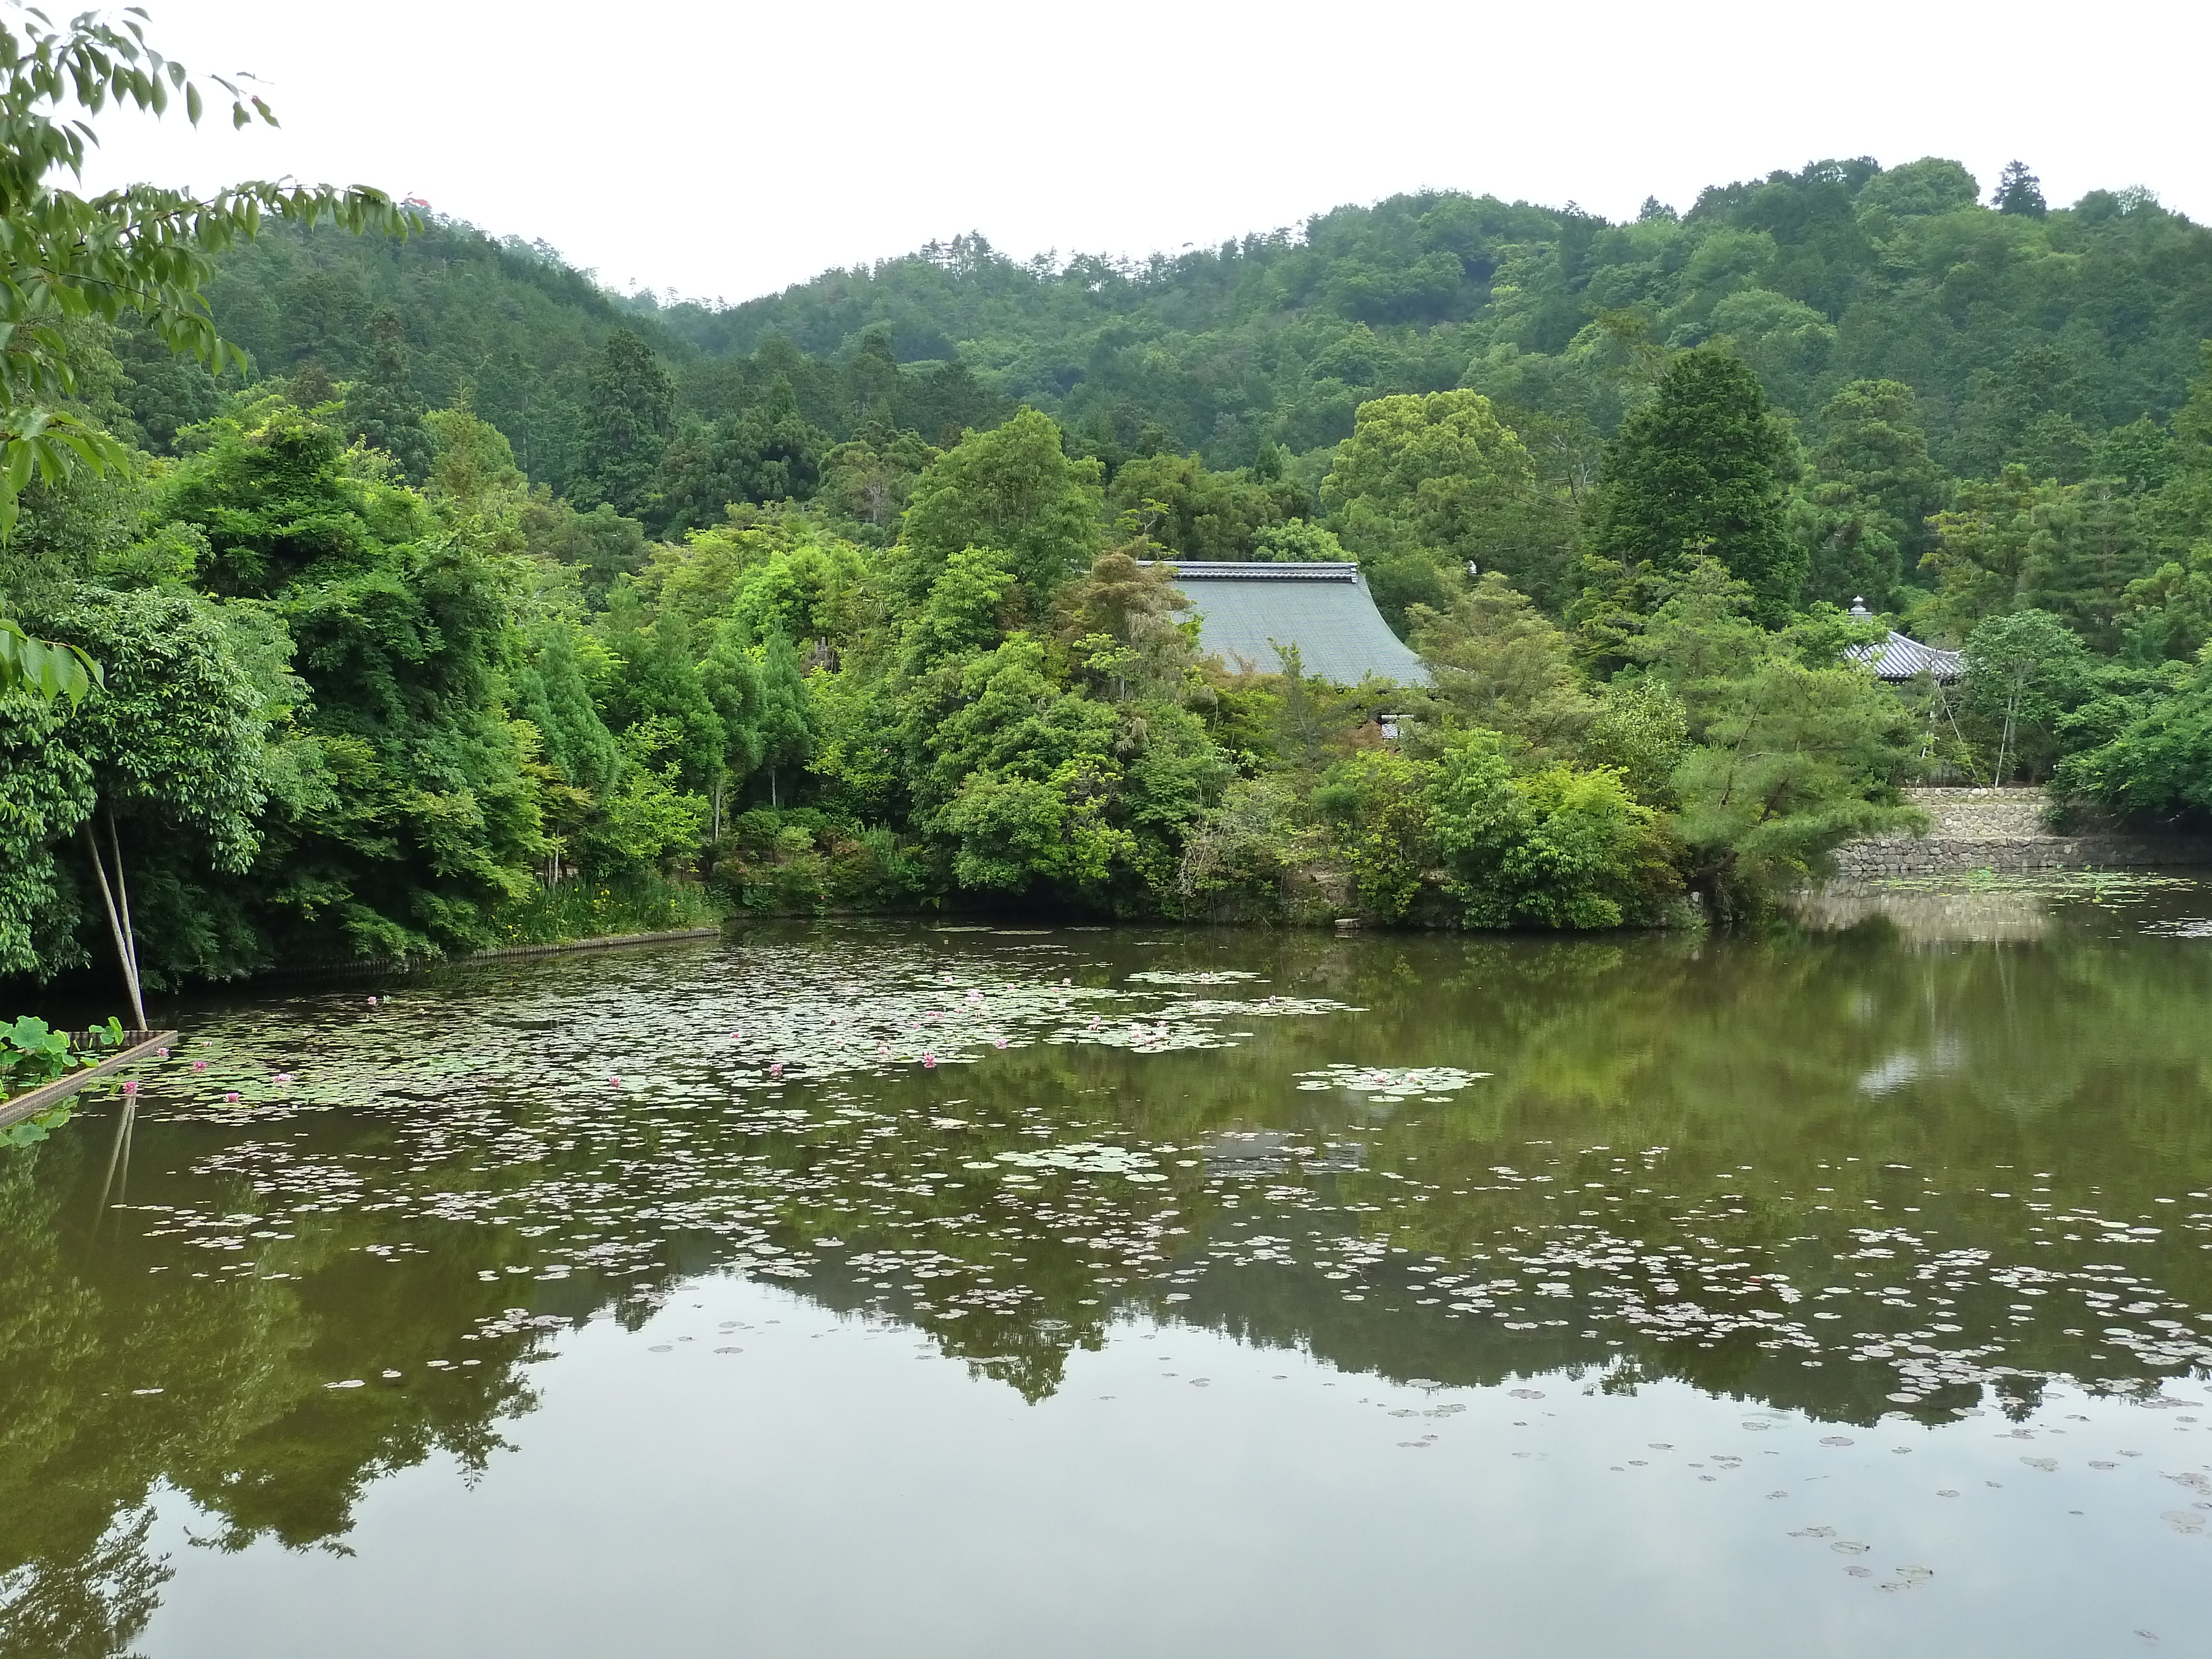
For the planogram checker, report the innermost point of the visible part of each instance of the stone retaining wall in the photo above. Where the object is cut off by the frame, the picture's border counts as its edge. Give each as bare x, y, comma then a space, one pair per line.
2005, 830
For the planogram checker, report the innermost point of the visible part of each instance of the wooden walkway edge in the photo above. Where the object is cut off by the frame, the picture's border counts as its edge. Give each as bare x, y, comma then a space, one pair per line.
31, 1104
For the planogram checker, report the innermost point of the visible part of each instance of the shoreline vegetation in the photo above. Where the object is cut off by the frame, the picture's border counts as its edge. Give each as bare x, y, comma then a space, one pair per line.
401, 640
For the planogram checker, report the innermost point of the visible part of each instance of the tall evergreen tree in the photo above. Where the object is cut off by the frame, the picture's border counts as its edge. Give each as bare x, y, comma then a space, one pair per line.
1698, 471
626, 427
2019, 191
785, 719
382, 409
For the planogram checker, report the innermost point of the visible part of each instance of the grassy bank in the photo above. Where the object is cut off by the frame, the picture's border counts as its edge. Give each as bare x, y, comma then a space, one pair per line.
580, 908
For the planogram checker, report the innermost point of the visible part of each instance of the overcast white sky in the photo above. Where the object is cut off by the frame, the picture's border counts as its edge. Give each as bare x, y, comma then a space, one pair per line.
727, 150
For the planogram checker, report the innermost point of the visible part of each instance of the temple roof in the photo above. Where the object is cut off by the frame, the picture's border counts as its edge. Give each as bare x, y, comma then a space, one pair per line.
1898, 657
1245, 610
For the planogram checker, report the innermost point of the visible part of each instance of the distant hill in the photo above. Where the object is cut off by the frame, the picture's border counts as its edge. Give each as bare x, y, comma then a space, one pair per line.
2001, 320
2029, 333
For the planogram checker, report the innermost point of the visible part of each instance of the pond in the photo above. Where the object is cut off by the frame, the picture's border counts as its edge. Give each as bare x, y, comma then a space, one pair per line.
898, 1288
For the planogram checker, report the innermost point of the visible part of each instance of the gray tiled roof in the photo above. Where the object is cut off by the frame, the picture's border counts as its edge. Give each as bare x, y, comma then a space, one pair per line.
1245, 610
1900, 659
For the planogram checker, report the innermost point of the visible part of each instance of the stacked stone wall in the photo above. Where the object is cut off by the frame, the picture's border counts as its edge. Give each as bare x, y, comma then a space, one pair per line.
2007, 831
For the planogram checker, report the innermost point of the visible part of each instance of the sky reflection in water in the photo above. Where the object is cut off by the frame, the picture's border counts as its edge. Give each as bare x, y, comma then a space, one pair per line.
1211, 1293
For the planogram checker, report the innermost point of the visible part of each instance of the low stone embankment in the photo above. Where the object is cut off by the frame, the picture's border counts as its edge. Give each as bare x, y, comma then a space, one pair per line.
2009, 832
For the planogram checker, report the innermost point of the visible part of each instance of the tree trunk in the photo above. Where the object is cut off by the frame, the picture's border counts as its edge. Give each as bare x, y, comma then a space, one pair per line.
118, 919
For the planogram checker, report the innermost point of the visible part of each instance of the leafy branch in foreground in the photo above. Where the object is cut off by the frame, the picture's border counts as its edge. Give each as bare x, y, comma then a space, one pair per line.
143, 250
44, 667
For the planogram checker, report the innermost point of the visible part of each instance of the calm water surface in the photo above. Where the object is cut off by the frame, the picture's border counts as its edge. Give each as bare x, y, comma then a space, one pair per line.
1211, 1293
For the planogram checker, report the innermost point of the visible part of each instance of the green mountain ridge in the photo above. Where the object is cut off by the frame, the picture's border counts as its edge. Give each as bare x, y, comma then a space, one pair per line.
2027, 333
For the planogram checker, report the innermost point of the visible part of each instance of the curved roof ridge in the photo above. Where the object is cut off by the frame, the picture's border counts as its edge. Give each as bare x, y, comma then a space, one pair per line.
1258, 570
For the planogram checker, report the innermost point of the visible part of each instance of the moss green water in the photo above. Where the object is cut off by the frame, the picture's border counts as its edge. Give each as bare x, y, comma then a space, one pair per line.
883, 1289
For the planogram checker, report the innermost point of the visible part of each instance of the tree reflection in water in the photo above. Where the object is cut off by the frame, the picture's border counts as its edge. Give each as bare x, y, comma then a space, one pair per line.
1840, 1173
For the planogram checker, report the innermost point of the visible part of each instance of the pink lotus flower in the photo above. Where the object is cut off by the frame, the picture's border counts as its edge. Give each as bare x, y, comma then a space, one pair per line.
131, 1088
232, 1097
161, 1054
929, 1060
372, 1002
1000, 1041
281, 1077
614, 1082
775, 1068
199, 1066
883, 1047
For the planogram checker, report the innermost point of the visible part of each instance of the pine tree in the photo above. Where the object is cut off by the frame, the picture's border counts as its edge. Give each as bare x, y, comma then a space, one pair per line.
2019, 191
381, 408
626, 427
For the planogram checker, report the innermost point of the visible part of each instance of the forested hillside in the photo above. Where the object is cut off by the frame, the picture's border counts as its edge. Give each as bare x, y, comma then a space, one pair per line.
2013, 325
484, 605
2028, 334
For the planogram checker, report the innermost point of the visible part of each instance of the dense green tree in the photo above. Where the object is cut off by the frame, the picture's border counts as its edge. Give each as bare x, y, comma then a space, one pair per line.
1874, 488
474, 473
46, 796
553, 691
2073, 550
2159, 765
768, 454
1930, 185
1789, 754
785, 719
625, 428
180, 770
652, 673
1015, 490
431, 819
870, 478
1175, 502
647, 815
600, 545
1555, 848
382, 408
1376, 806
2024, 669
1500, 666
2019, 191
1436, 483
1699, 473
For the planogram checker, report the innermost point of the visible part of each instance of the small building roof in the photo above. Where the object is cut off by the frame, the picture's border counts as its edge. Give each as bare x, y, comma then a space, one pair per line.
1245, 609
1898, 657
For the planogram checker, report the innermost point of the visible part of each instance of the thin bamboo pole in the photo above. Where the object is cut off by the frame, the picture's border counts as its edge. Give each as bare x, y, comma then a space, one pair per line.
115, 930
123, 903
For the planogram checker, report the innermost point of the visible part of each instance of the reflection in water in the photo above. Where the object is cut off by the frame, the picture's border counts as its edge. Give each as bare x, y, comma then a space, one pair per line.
1930, 917
1843, 1176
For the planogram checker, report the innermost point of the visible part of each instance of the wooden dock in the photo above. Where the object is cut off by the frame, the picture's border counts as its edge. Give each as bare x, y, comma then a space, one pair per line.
141, 1044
